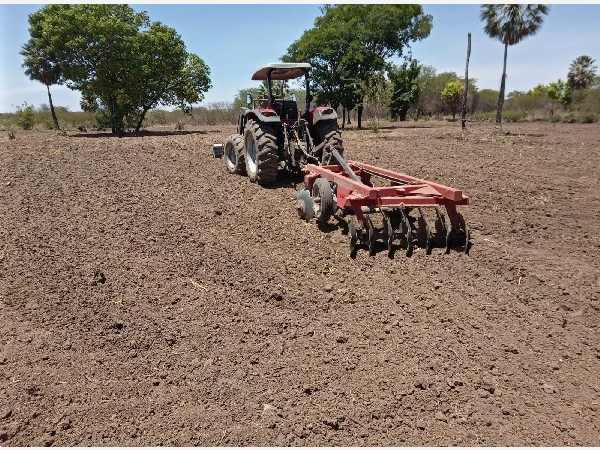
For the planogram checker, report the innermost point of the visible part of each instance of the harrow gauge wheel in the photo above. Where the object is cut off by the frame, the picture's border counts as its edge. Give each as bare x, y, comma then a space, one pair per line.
322, 196
305, 205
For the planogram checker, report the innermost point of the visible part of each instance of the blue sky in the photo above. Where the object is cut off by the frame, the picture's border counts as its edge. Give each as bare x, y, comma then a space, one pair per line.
235, 39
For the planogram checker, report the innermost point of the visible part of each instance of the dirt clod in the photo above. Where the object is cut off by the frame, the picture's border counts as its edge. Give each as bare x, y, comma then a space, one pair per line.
441, 416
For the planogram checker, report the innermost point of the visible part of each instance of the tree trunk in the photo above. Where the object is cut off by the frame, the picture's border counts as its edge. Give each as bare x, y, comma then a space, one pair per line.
54, 118
349, 111
343, 117
502, 87
464, 105
142, 117
111, 114
359, 116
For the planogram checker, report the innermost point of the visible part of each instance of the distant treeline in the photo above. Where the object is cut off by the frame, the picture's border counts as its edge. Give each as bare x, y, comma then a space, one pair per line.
538, 104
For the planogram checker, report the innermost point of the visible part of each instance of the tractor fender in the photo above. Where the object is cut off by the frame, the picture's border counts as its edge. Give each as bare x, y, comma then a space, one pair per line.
262, 115
322, 113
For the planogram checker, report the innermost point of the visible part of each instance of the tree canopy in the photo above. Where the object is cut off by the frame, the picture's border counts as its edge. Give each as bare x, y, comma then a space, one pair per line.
581, 72
350, 44
43, 67
451, 94
122, 63
405, 88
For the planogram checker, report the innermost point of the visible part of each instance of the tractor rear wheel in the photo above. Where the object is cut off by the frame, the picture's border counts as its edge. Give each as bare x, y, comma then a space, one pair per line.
329, 132
260, 152
234, 154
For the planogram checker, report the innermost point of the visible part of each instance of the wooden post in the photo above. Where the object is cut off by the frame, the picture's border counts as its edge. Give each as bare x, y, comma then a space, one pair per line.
464, 102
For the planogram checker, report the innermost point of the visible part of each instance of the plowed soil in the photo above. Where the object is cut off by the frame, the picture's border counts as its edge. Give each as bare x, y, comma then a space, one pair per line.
148, 297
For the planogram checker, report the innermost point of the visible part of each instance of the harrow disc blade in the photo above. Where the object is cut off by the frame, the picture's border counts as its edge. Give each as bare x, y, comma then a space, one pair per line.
388, 236
370, 236
407, 225
467, 240
426, 231
305, 205
465, 228
441, 227
352, 236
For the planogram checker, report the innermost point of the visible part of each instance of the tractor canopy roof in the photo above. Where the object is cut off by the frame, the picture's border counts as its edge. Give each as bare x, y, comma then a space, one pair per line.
282, 71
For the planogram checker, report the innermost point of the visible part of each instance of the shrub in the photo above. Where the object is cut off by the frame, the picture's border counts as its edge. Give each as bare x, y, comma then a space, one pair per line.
102, 121
485, 116
373, 125
156, 117
514, 116
589, 117
25, 116
555, 118
5, 125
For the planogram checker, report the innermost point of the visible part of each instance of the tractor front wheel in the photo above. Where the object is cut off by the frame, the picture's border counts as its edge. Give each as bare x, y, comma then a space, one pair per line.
234, 154
260, 152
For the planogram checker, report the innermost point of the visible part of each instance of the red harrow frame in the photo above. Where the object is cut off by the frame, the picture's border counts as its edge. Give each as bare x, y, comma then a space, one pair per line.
347, 189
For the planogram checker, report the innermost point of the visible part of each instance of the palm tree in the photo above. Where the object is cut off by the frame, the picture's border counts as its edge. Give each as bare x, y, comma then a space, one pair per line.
581, 72
40, 67
511, 24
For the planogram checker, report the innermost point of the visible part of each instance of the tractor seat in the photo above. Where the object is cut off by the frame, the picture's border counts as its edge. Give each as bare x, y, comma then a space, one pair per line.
286, 109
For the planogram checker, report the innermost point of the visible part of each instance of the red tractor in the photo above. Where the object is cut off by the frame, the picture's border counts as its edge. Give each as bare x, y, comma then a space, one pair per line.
273, 133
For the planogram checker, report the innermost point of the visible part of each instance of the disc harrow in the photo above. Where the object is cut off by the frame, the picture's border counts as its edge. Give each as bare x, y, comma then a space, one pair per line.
401, 211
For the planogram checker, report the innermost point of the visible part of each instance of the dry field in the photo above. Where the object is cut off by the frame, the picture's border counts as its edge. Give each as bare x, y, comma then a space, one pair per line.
149, 298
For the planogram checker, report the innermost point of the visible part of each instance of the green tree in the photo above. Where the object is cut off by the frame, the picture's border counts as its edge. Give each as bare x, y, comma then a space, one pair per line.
326, 49
560, 92
350, 43
451, 94
581, 72
516, 94
486, 100
511, 24
431, 85
167, 74
539, 91
42, 67
240, 98
405, 88
122, 64
426, 90
93, 45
